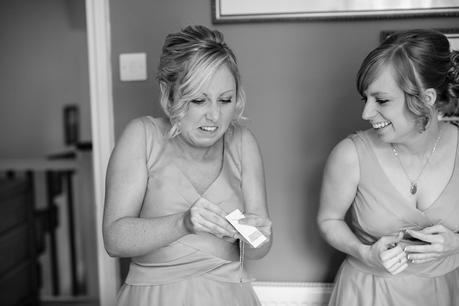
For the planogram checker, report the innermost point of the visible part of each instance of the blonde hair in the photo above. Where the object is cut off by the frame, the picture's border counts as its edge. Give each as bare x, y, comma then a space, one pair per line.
189, 59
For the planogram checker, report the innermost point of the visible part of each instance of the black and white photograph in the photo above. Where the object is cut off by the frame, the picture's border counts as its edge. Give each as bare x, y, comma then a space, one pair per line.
229, 153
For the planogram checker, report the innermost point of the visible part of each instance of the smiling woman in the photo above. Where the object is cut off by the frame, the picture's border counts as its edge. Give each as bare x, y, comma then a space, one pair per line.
401, 179
172, 181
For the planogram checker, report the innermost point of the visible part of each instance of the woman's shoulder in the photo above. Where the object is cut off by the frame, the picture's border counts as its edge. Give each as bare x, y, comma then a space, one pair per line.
150, 129
155, 125
365, 136
154, 131
450, 135
239, 136
240, 142
343, 158
347, 150
344, 150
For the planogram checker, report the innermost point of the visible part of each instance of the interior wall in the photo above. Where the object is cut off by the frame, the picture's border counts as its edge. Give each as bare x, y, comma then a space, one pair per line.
300, 83
44, 67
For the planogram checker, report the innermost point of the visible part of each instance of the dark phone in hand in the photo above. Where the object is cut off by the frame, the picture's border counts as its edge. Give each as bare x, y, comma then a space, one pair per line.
408, 237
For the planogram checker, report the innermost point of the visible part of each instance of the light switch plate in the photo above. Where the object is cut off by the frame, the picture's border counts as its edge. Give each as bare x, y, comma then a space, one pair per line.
133, 67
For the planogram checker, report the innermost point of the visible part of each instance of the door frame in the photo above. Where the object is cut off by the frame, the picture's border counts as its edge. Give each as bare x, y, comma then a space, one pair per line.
102, 127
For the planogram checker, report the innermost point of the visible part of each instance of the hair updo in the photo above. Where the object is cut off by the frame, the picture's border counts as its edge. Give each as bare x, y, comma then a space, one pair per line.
420, 59
453, 84
189, 59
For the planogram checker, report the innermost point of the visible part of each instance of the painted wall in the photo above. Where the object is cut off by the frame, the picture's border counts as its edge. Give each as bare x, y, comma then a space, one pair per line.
44, 66
299, 79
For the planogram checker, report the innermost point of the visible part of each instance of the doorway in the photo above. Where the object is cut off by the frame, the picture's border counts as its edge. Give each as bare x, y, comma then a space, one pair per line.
47, 47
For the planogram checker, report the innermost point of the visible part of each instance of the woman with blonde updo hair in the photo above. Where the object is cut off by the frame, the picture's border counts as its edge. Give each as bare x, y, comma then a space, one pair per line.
172, 181
189, 61
401, 179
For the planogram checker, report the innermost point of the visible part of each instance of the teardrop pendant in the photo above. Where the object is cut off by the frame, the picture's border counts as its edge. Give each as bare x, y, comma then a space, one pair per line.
413, 188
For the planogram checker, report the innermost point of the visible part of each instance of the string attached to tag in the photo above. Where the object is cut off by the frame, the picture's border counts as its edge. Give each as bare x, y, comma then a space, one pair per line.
241, 260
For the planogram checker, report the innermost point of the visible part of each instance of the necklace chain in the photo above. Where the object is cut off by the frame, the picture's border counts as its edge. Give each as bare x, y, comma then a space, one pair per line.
413, 183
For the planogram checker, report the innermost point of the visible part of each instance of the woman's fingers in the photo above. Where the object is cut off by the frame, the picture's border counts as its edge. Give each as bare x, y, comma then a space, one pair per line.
263, 224
203, 203
400, 268
435, 229
439, 242
389, 242
428, 238
206, 216
417, 258
396, 263
214, 227
254, 220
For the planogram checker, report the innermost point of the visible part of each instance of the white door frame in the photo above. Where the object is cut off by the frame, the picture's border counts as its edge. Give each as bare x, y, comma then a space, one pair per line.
100, 78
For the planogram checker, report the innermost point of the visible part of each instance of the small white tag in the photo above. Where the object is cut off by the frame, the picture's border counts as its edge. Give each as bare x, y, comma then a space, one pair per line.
249, 232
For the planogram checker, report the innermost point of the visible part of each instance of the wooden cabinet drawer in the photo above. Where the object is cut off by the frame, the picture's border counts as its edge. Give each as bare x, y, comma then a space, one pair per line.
15, 205
19, 285
15, 248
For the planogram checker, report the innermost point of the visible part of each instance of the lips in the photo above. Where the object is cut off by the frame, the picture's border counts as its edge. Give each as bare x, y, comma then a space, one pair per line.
380, 125
209, 129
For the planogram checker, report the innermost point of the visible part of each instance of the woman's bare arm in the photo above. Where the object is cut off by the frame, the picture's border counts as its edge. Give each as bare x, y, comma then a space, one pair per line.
253, 186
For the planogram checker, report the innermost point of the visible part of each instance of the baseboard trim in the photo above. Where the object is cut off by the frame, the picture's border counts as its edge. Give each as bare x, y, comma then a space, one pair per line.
293, 293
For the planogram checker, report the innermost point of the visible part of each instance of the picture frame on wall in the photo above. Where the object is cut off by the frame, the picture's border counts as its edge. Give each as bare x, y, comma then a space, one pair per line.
453, 36
231, 11
451, 33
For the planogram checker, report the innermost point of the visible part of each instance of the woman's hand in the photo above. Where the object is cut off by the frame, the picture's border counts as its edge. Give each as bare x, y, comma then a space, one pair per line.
205, 216
386, 253
441, 242
264, 225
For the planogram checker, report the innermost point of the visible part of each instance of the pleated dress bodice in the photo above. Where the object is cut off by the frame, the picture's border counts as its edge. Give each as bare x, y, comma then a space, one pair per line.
169, 191
379, 209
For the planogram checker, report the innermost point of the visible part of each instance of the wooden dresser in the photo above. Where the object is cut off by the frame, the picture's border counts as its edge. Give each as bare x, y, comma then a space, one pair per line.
18, 260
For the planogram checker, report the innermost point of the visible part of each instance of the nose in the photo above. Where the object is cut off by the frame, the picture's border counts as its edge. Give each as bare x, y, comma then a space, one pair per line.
213, 111
369, 110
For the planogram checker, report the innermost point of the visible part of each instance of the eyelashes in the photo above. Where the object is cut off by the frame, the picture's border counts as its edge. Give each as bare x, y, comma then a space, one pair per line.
379, 101
197, 101
226, 100
222, 100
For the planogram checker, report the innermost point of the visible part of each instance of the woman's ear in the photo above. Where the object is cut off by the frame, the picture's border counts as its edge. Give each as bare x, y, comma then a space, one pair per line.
430, 96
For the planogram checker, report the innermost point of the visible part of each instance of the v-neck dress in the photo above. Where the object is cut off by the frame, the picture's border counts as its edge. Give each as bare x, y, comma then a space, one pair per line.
379, 209
197, 269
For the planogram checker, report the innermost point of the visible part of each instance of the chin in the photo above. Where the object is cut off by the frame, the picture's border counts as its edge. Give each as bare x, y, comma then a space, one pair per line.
383, 136
206, 143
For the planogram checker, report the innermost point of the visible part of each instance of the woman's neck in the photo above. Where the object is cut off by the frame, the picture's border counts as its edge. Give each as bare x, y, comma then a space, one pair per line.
191, 152
422, 144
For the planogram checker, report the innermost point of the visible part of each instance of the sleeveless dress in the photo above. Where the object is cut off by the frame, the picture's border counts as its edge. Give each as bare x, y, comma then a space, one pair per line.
197, 269
378, 210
